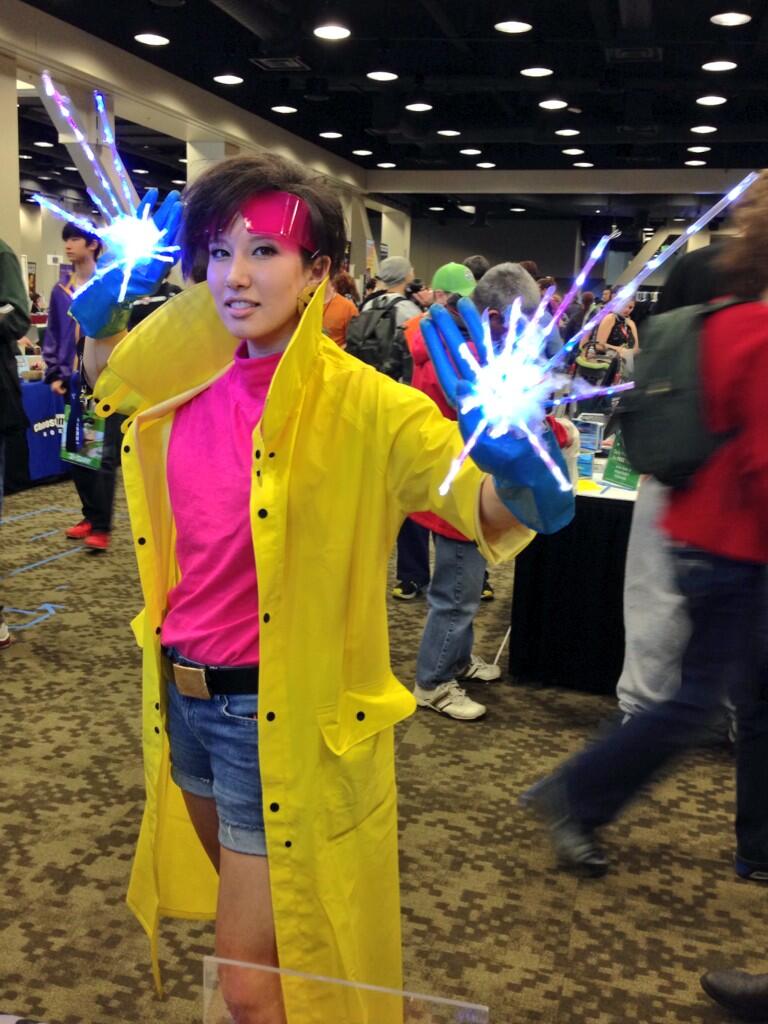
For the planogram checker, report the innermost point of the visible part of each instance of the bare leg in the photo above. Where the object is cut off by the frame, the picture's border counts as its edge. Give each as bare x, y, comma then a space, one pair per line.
245, 930
205, 818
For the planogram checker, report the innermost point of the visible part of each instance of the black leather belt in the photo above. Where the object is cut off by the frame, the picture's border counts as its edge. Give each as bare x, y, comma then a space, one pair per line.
205, 682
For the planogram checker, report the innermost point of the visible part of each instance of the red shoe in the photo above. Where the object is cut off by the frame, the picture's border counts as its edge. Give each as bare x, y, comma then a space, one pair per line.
98, 540
80, 530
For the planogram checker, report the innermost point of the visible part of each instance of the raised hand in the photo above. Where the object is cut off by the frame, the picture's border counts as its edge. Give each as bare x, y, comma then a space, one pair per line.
501, 420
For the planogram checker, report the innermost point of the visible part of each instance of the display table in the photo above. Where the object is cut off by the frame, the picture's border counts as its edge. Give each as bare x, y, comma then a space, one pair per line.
34, 456
567, 618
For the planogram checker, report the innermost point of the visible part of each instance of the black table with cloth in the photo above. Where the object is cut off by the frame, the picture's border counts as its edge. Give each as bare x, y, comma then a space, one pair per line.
34, 455
567, 606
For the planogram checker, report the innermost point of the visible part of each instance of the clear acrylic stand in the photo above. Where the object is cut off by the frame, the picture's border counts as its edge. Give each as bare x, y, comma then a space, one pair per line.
235, 992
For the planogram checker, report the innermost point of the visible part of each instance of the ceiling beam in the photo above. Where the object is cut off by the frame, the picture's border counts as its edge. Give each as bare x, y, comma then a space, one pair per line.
574, 182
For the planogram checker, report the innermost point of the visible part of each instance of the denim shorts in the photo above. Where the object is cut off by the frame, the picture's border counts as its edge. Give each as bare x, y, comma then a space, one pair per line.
215, 754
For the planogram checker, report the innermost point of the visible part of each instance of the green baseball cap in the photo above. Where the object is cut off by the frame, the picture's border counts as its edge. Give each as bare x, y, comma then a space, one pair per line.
454, 278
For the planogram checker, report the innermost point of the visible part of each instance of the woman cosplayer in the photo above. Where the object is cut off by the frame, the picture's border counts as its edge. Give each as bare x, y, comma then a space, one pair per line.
267, 474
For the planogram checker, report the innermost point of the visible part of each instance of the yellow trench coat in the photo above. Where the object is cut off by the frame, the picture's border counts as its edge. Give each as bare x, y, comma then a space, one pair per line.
341, 455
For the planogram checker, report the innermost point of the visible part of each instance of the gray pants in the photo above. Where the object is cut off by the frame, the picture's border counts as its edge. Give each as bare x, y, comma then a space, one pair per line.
655, 619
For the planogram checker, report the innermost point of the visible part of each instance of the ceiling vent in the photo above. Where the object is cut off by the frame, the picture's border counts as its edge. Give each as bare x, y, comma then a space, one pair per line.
634, 54
643, 131
280, 63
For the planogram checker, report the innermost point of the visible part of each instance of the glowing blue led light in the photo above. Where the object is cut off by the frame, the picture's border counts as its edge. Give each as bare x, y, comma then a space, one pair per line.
513, 384
129, 239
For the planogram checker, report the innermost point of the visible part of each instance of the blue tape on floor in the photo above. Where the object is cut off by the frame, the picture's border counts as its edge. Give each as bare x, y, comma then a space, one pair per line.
44, 561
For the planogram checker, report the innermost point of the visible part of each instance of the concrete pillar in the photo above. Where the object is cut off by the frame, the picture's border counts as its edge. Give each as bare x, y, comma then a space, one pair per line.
204, 153
359, 233
396, 232
698, 241
10, 225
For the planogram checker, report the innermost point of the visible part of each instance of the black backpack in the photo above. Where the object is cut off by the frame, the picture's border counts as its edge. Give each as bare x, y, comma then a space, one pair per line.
374, 337
662, 420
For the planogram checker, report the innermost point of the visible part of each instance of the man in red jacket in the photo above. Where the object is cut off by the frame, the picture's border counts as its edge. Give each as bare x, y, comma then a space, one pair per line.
445, 658
718, 529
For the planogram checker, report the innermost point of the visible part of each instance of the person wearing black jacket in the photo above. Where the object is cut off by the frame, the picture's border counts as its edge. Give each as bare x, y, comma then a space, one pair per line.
14, 324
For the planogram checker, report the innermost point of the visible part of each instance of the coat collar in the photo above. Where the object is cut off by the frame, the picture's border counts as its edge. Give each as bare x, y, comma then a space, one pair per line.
184, 345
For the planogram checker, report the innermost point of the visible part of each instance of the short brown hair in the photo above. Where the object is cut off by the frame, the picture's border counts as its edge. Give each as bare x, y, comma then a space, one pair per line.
213, 200
743, 261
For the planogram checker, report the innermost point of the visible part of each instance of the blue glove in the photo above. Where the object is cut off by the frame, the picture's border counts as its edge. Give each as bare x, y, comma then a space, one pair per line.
96, 307
523, 482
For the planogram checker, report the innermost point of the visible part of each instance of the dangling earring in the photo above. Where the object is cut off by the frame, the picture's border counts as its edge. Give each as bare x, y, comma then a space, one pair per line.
305, 297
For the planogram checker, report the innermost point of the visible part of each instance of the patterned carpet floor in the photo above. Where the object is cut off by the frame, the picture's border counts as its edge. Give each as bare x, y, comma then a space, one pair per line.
485, 917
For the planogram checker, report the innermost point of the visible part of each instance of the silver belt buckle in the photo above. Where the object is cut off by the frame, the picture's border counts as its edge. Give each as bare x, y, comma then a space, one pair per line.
190, 681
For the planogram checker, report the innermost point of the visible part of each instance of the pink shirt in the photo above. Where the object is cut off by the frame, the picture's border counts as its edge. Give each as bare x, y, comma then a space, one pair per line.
213, 613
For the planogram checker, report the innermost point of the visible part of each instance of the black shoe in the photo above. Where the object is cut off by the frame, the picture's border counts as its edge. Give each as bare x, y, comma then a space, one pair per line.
406, 591
745, 995
574, 844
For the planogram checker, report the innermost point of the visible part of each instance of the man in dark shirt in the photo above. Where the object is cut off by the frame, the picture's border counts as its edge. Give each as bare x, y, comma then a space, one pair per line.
14, 323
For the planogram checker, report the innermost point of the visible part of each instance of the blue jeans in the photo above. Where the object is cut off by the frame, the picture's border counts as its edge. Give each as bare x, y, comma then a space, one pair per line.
215, 754
453, 598
726, 602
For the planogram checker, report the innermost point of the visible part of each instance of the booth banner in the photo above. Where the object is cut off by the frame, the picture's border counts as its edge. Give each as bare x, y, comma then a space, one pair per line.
45, 412
92, 450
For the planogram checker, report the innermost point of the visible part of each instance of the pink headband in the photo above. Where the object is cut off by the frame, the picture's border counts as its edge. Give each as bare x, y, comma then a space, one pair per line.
282, 214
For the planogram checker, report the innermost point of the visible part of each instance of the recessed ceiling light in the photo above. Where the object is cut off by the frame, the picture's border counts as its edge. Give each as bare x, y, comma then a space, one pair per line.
330, 135
597, 211
182, 159
583, 163
22, 86
567, 131
485, 164
362, 152
139, 170
719, 65
24, 156
386, 165
678, 219
513, 28
70, 167
151, 39
178, 181
332, 31
437, 209
699, 149
43, 177
228, 79
418, 108
711, 101
537, 72
43, 145
703, 129
695, 163
471, 152
731, 19
382, 76
449, 133
553, 104
284, 110
517, 209
573, 152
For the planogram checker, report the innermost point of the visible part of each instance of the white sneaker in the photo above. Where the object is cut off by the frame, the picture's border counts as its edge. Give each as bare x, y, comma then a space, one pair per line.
449, 699
480, 670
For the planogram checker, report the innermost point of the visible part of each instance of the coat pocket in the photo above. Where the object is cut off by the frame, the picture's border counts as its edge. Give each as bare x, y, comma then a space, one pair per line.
357, 762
